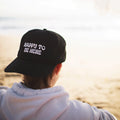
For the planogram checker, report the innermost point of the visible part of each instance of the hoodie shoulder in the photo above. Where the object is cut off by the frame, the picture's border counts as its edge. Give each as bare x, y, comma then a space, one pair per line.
101, 114
87, 112
77, 110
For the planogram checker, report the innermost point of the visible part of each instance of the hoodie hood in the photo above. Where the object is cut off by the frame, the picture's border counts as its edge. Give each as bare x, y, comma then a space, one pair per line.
22, 103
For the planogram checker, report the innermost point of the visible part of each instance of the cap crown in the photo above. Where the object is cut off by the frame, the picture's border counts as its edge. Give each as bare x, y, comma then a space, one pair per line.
42, 46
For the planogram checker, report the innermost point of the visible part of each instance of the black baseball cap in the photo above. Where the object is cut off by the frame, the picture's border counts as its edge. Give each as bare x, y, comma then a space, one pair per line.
38, 50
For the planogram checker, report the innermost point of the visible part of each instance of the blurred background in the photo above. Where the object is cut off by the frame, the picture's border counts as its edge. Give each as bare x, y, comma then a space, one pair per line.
91, 29
89, 26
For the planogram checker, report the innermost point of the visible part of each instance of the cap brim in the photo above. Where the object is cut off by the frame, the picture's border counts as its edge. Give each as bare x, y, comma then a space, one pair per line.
27, 68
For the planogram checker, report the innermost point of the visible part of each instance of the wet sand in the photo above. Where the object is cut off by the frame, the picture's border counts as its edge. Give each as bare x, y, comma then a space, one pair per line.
97, 91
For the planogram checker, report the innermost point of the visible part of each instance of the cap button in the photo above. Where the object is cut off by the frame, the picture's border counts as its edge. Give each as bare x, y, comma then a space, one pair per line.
44, 29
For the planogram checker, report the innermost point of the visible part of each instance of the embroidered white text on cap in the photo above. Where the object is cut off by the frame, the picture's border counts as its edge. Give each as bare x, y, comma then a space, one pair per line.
33, 48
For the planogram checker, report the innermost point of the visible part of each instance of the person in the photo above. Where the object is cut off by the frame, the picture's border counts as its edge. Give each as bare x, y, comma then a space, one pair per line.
39, 60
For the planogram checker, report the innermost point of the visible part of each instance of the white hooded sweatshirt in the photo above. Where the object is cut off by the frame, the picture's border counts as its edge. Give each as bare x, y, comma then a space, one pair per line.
22, 103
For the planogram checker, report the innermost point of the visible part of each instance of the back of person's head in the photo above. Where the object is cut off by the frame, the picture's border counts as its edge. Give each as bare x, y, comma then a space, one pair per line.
39, 53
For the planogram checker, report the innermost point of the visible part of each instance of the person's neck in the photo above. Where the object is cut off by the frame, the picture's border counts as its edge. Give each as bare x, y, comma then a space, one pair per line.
36, 86
40, 83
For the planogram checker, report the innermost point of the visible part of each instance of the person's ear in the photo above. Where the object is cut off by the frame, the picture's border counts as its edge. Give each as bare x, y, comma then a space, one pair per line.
57, 68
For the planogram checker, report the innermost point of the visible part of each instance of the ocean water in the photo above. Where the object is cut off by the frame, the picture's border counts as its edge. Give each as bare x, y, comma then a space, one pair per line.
79, 27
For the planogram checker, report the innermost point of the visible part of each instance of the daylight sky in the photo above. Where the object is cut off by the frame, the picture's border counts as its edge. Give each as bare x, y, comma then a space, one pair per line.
37, 7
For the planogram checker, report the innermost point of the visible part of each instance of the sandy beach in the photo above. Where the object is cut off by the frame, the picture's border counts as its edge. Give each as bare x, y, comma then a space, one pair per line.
102, 92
